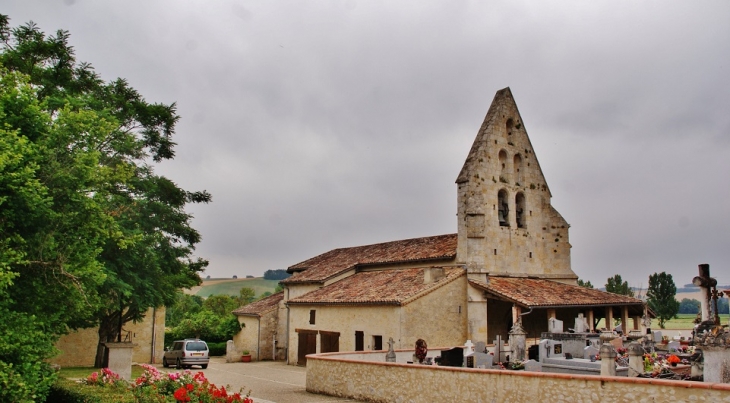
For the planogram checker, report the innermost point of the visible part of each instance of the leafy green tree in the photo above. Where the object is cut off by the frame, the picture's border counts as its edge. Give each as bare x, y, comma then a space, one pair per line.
687, 305
280, 274
184, 304
203, 324
91, 235
245, 296
221, 305
661, 297
586, 284
616, 285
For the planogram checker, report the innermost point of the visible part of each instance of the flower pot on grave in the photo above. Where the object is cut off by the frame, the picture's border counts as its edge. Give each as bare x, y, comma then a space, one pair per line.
246, 358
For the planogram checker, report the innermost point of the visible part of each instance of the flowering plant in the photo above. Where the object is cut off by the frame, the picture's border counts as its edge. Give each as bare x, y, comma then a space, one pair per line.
183, 387
673, 359
107, 377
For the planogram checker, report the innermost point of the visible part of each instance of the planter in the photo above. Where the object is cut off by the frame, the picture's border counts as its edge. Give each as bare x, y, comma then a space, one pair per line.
246, 358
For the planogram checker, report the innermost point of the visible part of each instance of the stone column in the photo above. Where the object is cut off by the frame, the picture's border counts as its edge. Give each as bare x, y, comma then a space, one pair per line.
636, 359
590, 320
625, 320
609, 318
518, 342
608, 360
231, 354
637, 322
319, 343
120, 359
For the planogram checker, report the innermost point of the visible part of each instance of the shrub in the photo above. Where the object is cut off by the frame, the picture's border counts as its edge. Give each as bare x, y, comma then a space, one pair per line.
216, 349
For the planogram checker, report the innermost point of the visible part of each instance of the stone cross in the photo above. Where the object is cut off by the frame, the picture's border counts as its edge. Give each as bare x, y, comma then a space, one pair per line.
390, 356
468, 348
706, 284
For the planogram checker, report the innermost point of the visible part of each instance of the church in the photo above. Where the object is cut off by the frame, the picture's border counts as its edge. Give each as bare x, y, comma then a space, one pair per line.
508, 262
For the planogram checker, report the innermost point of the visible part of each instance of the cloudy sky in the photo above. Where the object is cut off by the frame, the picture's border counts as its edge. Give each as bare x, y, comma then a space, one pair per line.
326, 124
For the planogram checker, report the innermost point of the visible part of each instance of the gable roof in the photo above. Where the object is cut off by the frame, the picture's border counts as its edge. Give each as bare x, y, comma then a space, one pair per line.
503, 99
379, 287
322, 267
540, 293
260, 307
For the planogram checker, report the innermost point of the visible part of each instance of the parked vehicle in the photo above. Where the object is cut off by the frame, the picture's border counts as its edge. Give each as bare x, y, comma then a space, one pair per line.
186, 353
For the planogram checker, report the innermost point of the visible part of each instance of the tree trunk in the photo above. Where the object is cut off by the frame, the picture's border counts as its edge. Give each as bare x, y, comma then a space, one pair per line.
108, 332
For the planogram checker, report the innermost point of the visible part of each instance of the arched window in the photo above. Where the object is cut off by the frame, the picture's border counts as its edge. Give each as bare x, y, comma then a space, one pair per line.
502, 163
509, 125
518, 169
503, 208
520, 210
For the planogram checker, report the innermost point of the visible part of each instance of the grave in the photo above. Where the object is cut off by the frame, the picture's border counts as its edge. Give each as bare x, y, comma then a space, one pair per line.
574, 343
452, 358
553, 359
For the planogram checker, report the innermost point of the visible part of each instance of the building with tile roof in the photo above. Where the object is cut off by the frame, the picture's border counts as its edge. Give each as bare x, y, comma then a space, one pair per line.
509, 261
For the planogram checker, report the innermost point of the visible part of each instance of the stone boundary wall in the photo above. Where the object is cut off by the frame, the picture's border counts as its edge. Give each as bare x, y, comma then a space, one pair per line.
343, 375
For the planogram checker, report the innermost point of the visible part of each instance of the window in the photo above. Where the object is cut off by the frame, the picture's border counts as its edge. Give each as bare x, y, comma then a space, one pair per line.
359, 341
312, 315
517, 164
520, 210
502, 208
377, 342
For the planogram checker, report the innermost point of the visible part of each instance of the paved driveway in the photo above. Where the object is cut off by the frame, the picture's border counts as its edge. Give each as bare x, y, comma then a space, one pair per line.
269, 381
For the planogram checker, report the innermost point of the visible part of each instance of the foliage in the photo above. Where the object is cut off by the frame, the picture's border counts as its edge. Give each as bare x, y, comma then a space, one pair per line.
222, 305
24, 345
245, 296
280, 274
105, 377
616, 285
216, 349
723, 306
184, 305
184, 387
68, 391
586, 284
687, 305
661, 297
90, 235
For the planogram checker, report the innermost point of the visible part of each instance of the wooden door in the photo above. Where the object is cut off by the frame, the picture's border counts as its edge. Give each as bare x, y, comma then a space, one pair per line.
330, 342
307, 345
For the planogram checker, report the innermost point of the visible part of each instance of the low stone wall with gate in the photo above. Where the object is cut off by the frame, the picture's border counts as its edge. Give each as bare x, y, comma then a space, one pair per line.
366, 376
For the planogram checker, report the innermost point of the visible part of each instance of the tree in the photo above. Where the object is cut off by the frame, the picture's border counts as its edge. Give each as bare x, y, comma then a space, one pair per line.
661, 297
616, 285
245, 296
276, 274
221, 305
87, 224
184, 305
586, 284
689, 306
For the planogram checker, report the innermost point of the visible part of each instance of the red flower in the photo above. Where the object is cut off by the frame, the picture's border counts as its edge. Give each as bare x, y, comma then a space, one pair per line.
673, 359
181, 395
190, 387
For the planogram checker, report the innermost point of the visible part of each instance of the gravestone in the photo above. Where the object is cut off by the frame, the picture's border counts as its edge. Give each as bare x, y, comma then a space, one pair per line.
657, 336
453, 357
533, 366
499, 353
590, 353
581, 324
480, 347
390, 356
555, 326
673, 346
468, 347
483, 360
518, 342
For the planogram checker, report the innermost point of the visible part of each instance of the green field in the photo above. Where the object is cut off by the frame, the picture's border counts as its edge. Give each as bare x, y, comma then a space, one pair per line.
232, 286
683, 322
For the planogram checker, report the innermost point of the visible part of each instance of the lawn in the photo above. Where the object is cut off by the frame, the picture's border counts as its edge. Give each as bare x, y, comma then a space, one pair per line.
83, 372
232, 286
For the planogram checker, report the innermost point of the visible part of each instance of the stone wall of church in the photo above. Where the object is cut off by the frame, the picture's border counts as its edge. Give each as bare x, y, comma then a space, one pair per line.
506, 223
440, 318
393, 382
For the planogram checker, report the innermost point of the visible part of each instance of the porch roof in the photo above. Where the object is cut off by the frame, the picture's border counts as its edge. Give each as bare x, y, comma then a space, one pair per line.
542, 293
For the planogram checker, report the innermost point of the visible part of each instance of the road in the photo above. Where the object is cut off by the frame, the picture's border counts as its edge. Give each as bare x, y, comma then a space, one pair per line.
269, 381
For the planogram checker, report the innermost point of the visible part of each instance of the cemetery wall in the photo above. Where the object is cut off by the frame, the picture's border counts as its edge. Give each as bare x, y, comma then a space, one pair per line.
333, 375
78, 348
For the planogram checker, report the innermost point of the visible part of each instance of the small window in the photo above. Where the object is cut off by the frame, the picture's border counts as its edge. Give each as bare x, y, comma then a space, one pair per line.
377, 342
312, 315
359, 341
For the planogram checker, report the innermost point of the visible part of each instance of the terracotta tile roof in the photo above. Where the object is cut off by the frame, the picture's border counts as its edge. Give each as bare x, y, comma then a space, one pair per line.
261, 306
326, 265
380, 287
537, 293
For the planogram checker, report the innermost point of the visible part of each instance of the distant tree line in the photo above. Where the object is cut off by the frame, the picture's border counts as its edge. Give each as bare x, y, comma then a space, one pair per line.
692, 306
276, 274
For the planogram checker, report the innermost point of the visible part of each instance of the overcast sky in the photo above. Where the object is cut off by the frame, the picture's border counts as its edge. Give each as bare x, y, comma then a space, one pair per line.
325, 124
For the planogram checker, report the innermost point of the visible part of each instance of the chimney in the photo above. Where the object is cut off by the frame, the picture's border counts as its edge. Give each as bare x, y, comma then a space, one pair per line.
432, 274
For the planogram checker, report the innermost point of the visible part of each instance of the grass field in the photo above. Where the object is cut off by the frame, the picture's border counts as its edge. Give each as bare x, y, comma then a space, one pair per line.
683, 322
232, 286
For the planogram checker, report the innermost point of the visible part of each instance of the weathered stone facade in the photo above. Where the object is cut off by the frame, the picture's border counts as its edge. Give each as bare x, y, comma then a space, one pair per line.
78, 348
506, 223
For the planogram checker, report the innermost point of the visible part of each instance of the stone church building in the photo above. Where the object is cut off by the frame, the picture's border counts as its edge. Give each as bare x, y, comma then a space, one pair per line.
508, 261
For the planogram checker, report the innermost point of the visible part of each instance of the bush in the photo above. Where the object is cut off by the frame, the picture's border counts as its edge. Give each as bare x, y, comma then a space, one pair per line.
217, 349
68, 391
